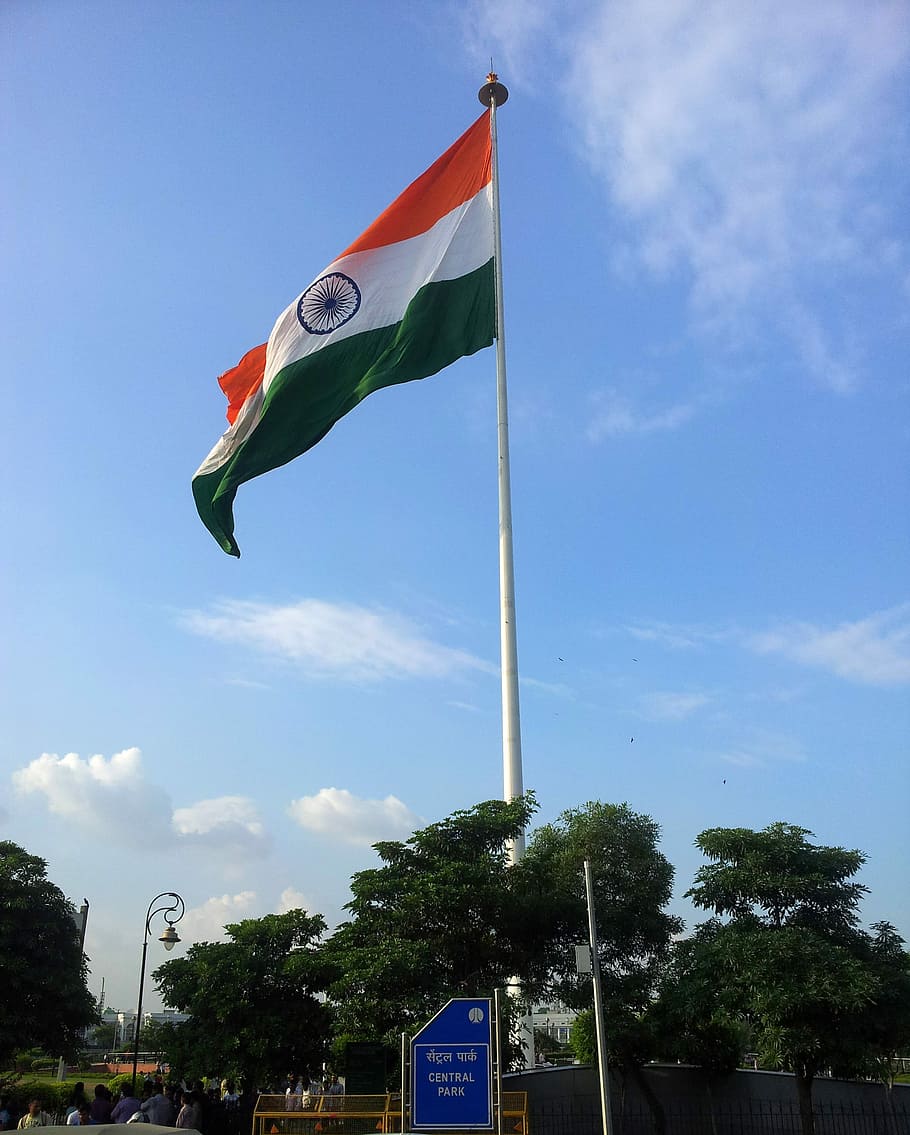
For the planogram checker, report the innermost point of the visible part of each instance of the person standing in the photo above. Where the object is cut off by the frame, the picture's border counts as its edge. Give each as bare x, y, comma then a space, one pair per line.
191, 1112
34, 1117
102, 1105
126, 1108
158, 1108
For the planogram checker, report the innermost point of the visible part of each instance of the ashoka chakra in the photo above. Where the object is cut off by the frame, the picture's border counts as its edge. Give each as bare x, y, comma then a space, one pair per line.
328, 303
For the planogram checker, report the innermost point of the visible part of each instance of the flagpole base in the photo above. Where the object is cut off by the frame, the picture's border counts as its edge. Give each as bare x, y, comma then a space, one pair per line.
493, 91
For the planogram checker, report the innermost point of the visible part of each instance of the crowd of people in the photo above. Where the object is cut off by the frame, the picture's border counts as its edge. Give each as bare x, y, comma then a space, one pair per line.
301, 1092
207, 1106
181, 1105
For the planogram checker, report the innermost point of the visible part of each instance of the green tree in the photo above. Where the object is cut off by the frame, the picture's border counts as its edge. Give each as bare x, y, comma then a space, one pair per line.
881, 1030
790, 955
252, 1000
46, 1001
155, 1036
888, 1017
632, 884
583, 1037
695, 1021
103, 1036
440, 918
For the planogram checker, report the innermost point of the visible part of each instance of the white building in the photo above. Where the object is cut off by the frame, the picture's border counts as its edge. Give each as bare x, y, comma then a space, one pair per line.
125, 1025
555, 1021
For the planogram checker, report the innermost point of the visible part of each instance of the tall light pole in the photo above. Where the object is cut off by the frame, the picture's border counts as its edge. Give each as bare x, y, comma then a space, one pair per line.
173, 912
603, 1070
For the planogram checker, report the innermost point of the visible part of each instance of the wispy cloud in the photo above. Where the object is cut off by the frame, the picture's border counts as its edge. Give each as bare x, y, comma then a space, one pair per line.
668, 706
114, 795
764, 748
340, 815
556, 689
614, 414
246, 683
468, 707
874, 651
677, 637
337, 640
749, 145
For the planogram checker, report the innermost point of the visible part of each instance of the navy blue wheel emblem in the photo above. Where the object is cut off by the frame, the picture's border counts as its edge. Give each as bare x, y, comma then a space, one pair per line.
328, 304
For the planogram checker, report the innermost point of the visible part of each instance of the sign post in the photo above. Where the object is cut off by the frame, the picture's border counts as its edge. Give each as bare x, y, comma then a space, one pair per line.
452, 1069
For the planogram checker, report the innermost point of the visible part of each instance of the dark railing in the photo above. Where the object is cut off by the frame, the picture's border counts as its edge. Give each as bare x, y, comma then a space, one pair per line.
744, 1117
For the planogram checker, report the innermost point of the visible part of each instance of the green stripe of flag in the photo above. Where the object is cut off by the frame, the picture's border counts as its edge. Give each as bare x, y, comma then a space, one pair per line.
442, 322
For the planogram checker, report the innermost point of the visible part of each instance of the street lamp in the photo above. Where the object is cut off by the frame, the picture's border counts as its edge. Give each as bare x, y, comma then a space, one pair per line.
169, 940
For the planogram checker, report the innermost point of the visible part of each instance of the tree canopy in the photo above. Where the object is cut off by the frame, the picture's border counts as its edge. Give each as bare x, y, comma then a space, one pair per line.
790, 957
782, 962
46, 1000
252, 1000
441, 917
632, 883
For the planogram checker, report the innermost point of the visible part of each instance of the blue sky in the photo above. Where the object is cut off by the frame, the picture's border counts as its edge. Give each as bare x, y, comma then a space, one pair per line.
707, 284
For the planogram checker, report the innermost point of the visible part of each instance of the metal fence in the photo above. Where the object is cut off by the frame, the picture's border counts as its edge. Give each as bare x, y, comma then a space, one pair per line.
742, 1117
356, 1115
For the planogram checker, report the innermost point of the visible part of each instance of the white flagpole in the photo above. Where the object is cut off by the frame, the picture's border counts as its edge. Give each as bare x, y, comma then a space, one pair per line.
494, 94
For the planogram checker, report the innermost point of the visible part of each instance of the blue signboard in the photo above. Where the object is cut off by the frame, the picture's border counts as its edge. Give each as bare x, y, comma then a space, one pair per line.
452, 1069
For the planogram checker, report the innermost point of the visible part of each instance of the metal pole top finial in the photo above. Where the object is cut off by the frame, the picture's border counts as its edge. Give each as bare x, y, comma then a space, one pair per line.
493, 91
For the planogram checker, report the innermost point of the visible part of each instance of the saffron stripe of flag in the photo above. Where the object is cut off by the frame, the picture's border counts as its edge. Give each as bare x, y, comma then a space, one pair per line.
411, 295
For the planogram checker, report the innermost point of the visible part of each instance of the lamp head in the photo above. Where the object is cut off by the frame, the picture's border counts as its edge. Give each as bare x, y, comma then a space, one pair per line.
169, 938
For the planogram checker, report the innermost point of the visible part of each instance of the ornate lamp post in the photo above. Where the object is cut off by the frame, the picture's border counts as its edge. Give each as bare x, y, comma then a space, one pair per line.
173, 912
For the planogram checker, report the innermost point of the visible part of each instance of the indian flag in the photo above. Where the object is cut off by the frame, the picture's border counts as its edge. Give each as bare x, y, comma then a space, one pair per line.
412, 294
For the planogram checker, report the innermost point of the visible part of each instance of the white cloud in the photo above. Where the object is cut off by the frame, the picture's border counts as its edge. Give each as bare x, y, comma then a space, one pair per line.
613, 414
334, 639
337, 813
99, 794
520, 27
206, 923
225, 821
874, 651
114, 796
668, 706
752, 145
292, 899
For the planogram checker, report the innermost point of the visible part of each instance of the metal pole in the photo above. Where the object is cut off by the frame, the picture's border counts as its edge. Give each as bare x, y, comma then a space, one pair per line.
404, 1080
169, 938
603, 1070
494, 94
498, 1039
145, 946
